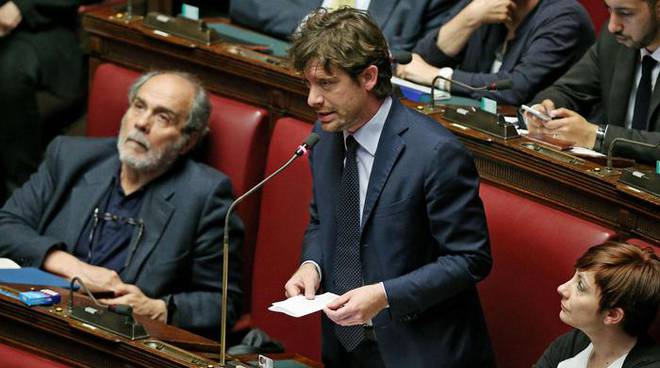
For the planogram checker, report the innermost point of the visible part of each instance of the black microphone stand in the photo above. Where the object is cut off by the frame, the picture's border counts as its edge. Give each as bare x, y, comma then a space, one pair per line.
310, 141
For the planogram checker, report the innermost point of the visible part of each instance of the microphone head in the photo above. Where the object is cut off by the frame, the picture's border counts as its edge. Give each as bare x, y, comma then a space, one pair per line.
401, 56
311, 140
307, 144
501, 84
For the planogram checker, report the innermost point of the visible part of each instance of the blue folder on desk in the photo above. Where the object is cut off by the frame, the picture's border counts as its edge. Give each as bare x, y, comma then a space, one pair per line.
32, 276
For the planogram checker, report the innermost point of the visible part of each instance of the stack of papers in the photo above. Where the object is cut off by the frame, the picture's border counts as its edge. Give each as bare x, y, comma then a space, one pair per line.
299, 306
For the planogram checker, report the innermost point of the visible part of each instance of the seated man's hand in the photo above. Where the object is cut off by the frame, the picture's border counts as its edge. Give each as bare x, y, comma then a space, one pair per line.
418, 71
357, 306
305, 280
142, 305
535, 125
490, 11
10, 17
570, 126
95, 278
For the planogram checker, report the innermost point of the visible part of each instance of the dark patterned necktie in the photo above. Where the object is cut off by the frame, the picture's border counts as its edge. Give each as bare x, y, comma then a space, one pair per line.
348, 268
643, 98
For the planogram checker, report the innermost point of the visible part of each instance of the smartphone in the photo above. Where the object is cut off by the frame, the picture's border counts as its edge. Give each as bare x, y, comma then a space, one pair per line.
536, 113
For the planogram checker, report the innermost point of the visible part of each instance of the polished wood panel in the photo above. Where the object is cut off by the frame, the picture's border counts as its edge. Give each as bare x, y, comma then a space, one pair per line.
265, 81
49, 332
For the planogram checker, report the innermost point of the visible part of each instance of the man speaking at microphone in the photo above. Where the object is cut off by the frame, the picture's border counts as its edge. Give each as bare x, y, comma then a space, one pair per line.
530, 42
397, 228
133, 215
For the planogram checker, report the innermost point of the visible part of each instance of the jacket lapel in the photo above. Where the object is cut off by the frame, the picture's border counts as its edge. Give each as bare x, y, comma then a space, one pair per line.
86, 196
622, 81
156, 212
390, 146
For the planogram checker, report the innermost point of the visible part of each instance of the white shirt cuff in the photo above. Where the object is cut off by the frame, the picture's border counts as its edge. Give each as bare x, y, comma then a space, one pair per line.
318, 268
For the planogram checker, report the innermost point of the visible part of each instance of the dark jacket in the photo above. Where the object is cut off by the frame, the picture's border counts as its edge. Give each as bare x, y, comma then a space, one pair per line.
645, 354
550, 39
599, 86
179, 257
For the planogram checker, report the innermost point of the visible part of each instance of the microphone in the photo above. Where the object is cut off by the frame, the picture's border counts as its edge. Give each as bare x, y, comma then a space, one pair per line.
303, 149
497, 85
401, 57
616, 141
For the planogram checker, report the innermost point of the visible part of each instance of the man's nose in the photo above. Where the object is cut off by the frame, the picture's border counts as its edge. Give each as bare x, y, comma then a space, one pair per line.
614, 26
314, 99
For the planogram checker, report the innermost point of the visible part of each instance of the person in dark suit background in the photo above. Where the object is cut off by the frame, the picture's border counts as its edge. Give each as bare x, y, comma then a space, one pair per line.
599, 98
397, 227
530, 42
39, 51
132, 215
403, 23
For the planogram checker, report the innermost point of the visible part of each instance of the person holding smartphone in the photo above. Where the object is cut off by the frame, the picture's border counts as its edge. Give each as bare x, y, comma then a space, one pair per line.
609, 93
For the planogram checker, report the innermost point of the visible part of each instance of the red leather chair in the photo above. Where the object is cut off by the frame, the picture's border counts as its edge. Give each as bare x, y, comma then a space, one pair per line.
236, 144
598, 12
15, 358
534, 248
283, 219
108, 99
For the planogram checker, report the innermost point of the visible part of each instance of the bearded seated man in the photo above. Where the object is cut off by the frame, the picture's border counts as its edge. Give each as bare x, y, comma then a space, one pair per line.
134, 215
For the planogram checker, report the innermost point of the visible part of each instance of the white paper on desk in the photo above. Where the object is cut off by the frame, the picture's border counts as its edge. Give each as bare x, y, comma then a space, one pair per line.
585, 152
8, 263
299, 306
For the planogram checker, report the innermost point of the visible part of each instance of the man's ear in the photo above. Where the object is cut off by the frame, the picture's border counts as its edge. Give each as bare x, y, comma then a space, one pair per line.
613, 316
369, 77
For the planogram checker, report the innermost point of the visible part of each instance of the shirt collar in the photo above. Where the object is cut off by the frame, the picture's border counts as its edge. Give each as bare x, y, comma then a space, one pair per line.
655, 54
369, 134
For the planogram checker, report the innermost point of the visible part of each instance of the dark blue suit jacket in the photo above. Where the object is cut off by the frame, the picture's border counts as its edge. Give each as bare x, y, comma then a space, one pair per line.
550, 39
423, 235
403, 22
179, 257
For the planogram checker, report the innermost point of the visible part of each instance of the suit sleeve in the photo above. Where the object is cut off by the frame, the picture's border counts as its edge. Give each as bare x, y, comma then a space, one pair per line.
458, 228
198, 309
555, 45
21, 215
278, 18
580, 87
311, 246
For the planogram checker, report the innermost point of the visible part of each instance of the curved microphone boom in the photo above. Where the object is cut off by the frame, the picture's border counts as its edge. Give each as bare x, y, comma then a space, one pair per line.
497, 85
307, 145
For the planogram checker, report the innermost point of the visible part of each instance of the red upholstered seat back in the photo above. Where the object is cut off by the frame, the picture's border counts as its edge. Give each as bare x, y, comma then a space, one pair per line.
598, 12
108, 99
283, 219
534, 248
236, 144
15, 358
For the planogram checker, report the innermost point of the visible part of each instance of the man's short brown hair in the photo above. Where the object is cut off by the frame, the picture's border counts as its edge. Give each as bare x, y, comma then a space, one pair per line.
346, 39
628, 278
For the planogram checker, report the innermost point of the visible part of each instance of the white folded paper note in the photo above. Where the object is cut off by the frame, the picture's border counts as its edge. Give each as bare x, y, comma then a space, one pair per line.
299, 306
8, 263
